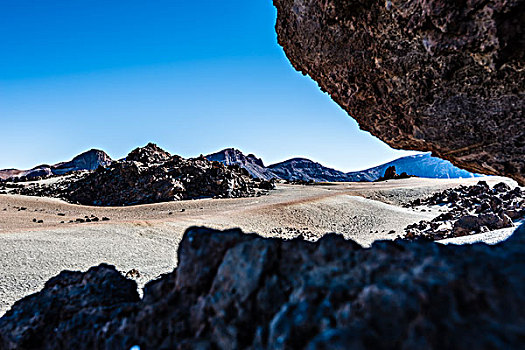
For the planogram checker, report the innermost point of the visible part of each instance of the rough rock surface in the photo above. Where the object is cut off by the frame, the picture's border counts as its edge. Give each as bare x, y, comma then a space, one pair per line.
232, 290
469, 210
70, 311
149, 175
440, 76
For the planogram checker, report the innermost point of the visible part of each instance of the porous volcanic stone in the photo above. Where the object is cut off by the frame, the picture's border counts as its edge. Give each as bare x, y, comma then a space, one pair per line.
441, 76
234, 291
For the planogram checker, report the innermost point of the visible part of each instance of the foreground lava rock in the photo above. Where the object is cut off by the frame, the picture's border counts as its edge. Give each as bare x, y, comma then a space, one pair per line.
469, 210
232, 290
149, 175
440, 76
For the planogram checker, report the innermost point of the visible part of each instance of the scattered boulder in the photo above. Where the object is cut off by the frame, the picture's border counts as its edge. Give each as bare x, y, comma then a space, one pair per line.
470, 210
470, 223
267, 185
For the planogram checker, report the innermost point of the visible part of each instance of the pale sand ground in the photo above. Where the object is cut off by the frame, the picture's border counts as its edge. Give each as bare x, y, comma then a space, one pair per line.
146, 237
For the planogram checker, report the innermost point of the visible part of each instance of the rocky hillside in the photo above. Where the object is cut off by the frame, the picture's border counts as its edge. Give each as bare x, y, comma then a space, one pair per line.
89, 160
295, 169
254, 165
301, 169
149, 175
239, 291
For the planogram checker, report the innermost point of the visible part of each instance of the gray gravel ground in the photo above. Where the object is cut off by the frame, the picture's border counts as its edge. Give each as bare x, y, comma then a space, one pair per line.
29, 259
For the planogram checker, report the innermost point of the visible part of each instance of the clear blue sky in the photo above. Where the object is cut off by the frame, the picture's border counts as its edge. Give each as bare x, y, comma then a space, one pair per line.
192, 76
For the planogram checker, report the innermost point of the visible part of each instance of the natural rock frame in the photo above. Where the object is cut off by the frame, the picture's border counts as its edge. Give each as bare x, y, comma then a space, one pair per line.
433, 75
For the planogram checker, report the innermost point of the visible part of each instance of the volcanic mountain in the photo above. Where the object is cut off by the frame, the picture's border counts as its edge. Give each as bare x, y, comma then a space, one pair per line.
254, 165
302, 169
295, 169
89, 160
421, 165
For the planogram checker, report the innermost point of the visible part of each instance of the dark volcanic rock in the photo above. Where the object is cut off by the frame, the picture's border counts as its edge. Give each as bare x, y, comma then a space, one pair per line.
149, 175
233, 291
150, 154
470, 210
391, 174
442, 76
70, 312
468, 223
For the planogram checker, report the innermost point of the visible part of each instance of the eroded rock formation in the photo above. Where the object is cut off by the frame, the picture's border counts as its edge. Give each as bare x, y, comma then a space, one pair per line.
443, 76
232, 290
149, 175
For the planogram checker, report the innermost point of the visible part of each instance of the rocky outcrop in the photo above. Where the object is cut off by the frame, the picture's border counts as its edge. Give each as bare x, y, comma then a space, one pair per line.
391, 174
150, 175
149, 154
440, 76
469, 210
233, 291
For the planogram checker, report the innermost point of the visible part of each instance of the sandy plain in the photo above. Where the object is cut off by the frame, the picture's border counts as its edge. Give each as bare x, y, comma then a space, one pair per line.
146, 237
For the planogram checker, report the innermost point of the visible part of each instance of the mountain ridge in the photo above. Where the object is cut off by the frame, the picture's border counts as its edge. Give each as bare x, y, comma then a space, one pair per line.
293, 169
88, 160
304, 169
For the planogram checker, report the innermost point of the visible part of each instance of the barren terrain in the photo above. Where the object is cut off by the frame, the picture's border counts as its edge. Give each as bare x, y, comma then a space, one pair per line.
146, 237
